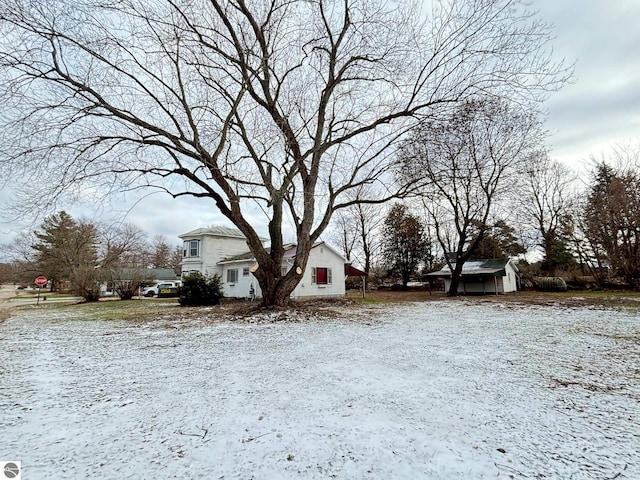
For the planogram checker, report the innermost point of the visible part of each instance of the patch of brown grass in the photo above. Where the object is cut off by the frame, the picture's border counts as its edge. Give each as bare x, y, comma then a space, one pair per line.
605, 299
351, 306
394, 296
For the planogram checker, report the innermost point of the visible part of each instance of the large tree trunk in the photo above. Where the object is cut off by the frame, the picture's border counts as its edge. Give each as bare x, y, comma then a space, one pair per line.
278, 293
549, 263
456, 275
276, 288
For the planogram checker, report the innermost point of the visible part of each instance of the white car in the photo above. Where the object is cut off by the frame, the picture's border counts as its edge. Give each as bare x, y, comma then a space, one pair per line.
154, 289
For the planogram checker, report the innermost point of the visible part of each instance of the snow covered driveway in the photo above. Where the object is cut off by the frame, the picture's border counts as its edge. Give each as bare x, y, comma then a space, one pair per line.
436, 390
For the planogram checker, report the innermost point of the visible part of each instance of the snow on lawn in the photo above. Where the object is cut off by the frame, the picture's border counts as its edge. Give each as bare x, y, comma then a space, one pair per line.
438, 390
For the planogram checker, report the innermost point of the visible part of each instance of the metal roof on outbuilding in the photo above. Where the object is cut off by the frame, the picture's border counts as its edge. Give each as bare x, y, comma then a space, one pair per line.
488, 266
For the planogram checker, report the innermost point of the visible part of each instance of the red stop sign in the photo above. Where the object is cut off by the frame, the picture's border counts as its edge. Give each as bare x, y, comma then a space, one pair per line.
41, 281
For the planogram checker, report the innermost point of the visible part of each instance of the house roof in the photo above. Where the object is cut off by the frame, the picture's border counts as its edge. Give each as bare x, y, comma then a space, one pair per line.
290, 251
243, 257
248, 256
487, 266
323, 244
217, 231
149, 273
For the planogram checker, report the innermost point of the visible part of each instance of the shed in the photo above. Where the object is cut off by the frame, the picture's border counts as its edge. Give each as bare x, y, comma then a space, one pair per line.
494, 275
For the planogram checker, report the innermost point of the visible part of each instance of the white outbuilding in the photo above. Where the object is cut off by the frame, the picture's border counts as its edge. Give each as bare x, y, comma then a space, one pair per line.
495, 275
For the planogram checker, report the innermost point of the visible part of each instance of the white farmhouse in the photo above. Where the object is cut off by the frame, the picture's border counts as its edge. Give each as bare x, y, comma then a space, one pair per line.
224, 251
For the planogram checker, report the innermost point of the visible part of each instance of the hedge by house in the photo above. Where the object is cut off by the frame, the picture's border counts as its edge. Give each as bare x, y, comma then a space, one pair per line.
197, 290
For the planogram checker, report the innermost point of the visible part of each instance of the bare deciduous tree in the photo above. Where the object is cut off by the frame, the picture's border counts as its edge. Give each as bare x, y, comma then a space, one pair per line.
470, 160
123, 246
344, 233
126, 282
546, 198
21, 250
125, 257
281, 106
357, 229
369, 220
161, 252
175, 260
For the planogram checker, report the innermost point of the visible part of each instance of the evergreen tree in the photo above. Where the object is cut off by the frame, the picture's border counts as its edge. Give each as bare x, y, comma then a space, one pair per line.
198, 289
64, 245
612, 216
498, 241
406, 244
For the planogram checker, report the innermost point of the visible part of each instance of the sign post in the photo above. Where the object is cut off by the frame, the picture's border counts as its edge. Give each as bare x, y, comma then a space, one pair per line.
41, 281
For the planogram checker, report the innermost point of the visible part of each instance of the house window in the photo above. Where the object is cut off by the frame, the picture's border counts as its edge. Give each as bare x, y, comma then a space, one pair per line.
191, 248
245, 271
232, 275
321, 276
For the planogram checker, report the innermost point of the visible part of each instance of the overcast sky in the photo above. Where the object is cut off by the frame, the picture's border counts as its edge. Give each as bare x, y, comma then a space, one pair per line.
599, 109
602, 106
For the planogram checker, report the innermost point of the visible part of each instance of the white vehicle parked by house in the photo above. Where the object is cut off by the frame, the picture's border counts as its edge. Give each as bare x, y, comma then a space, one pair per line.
153, 290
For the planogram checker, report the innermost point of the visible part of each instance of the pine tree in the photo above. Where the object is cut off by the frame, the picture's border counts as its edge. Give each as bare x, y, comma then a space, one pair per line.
64, 246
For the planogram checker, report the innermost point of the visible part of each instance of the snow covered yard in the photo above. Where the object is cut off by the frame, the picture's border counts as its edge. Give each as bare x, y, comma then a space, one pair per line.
435, 390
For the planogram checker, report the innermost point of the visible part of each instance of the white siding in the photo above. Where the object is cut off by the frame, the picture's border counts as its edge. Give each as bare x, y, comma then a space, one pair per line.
241, 288
486, 286
319, 257
219, 248
213, 249
511, 280
322, 257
